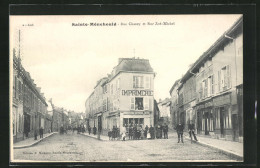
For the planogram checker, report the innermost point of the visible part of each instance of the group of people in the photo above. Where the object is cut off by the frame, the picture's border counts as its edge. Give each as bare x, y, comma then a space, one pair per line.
191, 128
136, 132
114, 134
63, 130
40, 132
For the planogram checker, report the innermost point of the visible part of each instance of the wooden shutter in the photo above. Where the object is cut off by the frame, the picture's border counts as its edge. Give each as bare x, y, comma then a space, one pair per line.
134, 81
142, 82
219, 80
228, 77
147, 82
146, 103
212, 85
132, 104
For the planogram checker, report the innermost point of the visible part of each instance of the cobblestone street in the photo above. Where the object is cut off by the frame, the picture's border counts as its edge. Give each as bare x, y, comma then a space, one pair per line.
76, 147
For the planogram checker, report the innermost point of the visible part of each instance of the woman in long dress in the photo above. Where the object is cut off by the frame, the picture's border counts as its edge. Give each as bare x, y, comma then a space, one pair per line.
142, 133
149, 134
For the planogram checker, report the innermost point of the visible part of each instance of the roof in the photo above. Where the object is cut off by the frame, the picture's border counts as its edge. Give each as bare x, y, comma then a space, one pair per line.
174, 85
133, 64
27, 78
235, 29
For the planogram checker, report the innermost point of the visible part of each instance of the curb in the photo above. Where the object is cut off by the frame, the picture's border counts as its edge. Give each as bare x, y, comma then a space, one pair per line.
92, 137
229, 153
36, 142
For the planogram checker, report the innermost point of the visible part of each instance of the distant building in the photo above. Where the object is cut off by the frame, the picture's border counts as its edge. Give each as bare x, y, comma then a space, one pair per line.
174, 109
164, 108
123, 98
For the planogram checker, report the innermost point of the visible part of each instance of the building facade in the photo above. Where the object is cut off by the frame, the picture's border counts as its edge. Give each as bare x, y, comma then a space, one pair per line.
212, 88
174, 110
29, 107
123, 98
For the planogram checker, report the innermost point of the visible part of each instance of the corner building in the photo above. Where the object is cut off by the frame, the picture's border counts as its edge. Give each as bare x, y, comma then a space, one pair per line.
123, 98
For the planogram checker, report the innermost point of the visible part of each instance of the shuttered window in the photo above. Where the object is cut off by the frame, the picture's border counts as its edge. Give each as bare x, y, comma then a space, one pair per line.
132, 103
146, 103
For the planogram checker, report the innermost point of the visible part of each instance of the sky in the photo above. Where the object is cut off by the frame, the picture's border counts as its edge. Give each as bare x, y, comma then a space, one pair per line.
66, 61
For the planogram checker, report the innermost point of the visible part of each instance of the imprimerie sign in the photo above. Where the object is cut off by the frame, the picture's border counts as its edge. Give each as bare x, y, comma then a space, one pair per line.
137, 93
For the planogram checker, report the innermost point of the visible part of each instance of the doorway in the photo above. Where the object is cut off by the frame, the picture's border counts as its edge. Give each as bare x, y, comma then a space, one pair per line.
222, 114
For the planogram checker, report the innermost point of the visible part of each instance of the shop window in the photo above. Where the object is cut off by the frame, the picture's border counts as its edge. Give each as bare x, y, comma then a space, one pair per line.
138, 82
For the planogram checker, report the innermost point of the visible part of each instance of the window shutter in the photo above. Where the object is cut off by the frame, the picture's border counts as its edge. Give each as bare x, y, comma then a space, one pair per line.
146, 101
142, 82
150, 104
134, 81
132, 103
219, 81
212, 84
228, 77
147, 82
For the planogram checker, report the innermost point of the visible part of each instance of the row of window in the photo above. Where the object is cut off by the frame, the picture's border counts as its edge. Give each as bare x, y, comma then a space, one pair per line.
138, 82
22, 92
207, 86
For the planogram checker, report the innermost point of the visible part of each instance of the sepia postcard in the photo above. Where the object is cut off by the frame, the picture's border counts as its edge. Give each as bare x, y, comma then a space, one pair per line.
126, 88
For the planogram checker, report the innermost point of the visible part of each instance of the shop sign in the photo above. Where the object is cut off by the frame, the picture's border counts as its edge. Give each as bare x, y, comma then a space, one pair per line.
137, 113
221, 100
208, 104
137, 93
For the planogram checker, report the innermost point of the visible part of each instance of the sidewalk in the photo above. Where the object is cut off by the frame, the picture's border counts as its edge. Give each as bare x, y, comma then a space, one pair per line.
102, 137
231, 148
30, 141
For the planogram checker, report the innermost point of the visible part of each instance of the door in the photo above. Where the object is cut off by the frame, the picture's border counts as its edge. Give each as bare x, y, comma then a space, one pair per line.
27, 123
99, 123
222, 113
206, 123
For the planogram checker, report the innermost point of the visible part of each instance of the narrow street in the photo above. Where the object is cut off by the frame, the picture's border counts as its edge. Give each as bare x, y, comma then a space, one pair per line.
76, 147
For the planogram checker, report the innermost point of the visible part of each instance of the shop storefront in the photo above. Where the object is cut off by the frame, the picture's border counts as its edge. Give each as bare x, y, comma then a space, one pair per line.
223, 112
205, 118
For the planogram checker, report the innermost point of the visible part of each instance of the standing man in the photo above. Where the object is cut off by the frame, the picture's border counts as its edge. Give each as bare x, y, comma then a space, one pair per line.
165, 131
179, 128
41, 132
151, 130
89, 130
145, 131
191, 131
94, 130
130, 132
135, 132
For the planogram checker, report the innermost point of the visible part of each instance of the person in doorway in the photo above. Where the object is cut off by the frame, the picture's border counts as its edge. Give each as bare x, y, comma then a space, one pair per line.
165, 131
179, 128
191, 129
